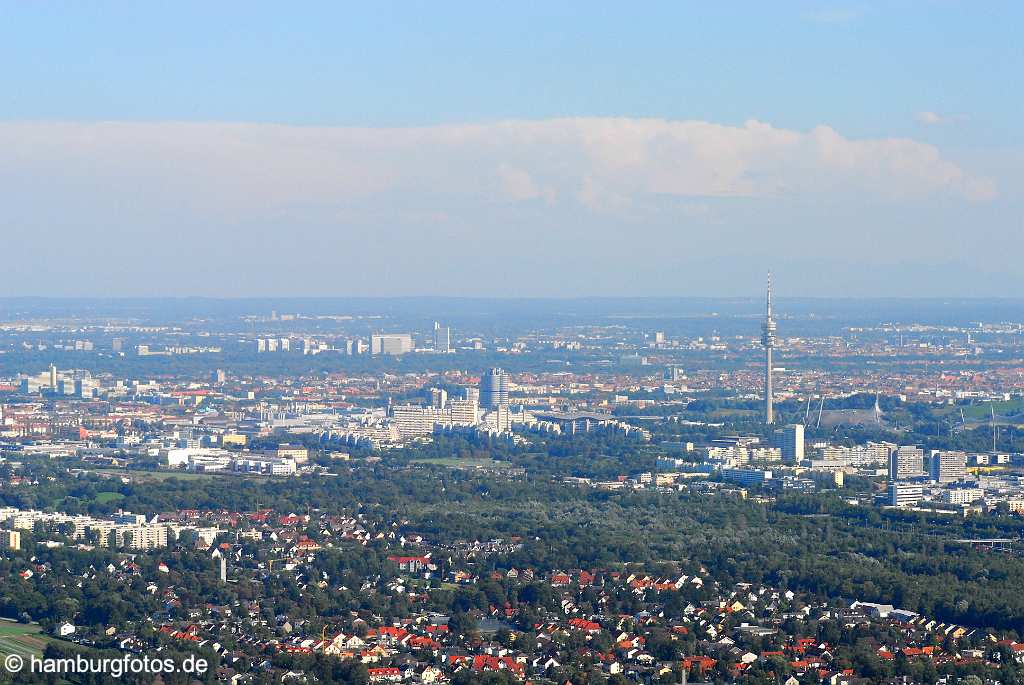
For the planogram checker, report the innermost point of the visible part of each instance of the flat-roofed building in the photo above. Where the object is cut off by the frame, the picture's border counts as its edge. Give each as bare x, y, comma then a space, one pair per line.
904, 494
12, 539
948, 467
792, 442
961, 496
906, 462
394, 343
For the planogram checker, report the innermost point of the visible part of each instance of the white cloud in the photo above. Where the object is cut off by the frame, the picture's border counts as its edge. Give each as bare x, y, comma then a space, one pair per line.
237, 171
934, 119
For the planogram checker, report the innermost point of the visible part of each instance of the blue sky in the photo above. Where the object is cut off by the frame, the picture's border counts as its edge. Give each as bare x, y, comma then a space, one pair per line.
103, 166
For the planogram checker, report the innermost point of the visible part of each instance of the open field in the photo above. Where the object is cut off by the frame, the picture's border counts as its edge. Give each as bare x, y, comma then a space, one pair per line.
981, 412
139, 476
733, 413
21, 638
151, 476
457, 463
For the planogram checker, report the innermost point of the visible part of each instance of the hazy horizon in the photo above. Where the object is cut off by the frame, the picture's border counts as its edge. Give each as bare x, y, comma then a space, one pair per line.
422, 311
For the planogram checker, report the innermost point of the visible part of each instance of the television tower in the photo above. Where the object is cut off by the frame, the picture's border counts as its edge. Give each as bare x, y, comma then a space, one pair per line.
768, 340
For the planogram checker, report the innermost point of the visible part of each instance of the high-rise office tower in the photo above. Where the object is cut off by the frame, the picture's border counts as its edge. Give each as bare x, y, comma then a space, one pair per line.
905, 462
793, 442
948, 467
494, 389
768, 341
442, 338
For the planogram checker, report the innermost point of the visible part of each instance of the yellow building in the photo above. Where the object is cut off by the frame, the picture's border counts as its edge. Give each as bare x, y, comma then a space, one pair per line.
12, 539
233, 440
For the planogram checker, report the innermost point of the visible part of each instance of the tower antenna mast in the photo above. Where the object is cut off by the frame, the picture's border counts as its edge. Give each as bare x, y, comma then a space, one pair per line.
768, 341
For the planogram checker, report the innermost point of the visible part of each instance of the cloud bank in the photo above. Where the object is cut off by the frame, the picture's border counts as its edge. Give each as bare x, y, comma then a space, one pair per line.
553, 207
218, 170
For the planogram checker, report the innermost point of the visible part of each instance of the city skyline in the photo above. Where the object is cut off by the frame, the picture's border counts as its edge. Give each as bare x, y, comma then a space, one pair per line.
232, 450
514, 344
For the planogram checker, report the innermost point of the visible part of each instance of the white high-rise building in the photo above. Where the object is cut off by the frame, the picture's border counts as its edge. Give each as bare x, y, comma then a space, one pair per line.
906, 461
438, 398
948, 467
465, 412
412, 420
442, 338
903, 495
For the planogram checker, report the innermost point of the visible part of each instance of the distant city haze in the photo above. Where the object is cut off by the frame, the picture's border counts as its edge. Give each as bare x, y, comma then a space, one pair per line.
466, 152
